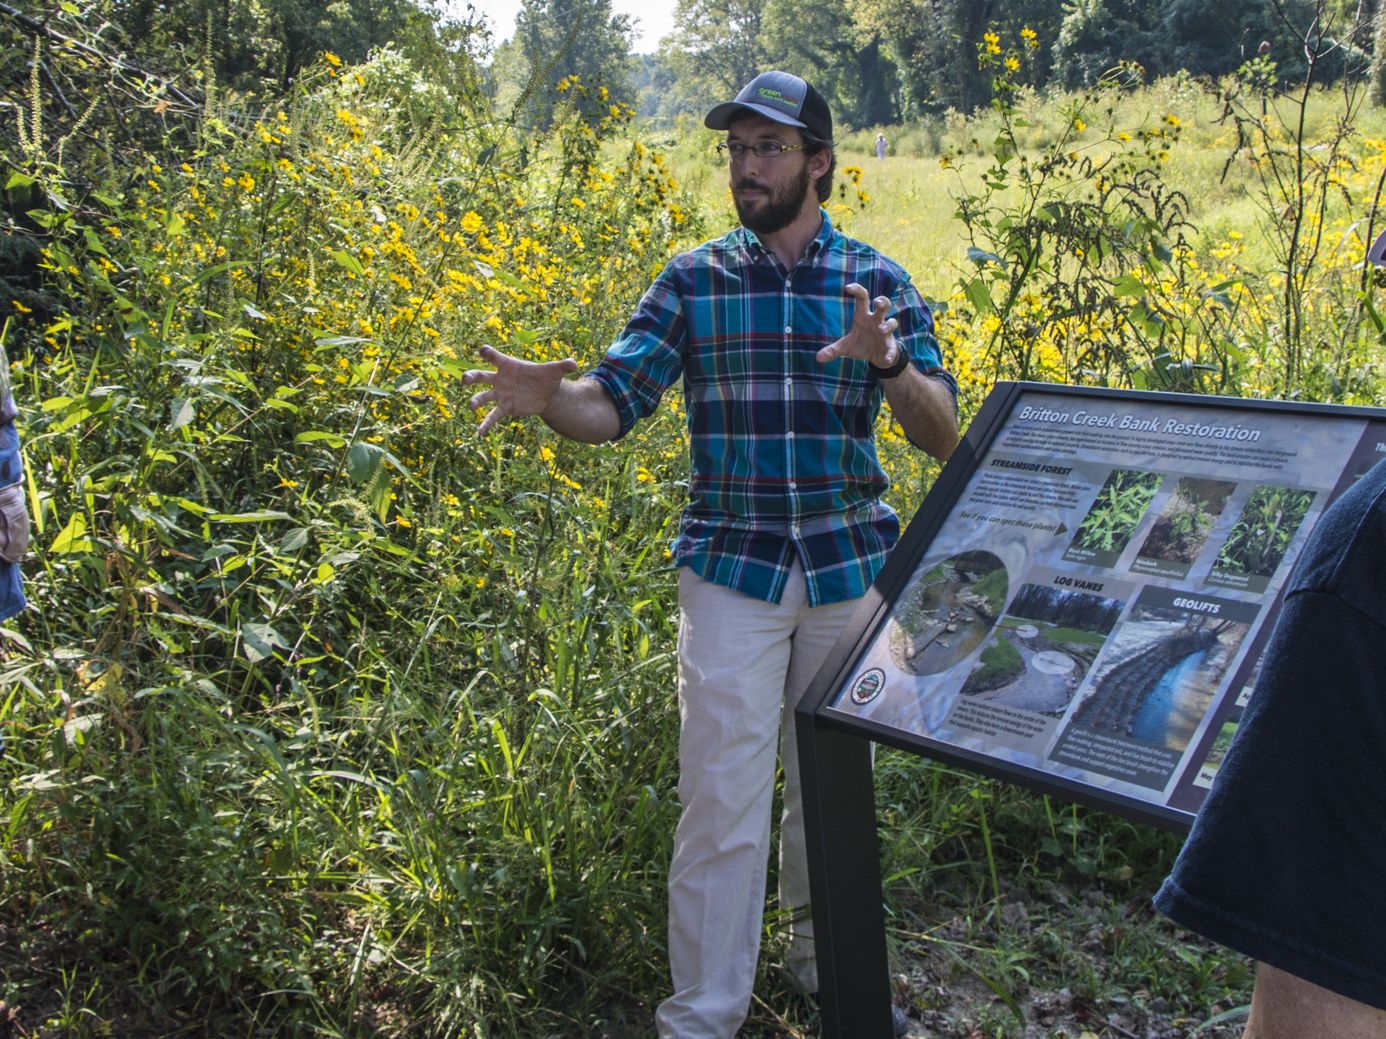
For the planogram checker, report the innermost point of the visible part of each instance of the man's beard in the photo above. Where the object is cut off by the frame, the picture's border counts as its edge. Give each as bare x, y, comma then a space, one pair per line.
778, 210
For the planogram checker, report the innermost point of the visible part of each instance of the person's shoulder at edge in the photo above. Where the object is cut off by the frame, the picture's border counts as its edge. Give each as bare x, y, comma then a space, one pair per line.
1344, 555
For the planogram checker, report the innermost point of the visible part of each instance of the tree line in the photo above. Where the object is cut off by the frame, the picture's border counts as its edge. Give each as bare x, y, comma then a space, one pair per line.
881, 62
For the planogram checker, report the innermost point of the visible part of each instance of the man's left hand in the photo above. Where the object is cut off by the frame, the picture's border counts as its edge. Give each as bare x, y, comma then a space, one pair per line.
872, 335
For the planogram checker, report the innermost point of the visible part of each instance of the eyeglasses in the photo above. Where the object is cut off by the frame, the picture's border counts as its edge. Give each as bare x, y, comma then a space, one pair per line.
761, 149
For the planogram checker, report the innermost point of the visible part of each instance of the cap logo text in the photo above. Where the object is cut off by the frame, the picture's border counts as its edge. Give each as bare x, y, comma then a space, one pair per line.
771, 94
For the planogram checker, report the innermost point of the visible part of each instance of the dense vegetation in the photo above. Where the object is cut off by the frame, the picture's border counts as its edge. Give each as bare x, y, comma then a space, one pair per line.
330, 718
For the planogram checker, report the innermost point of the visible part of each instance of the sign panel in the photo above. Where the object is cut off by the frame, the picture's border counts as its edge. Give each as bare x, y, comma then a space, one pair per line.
1080, 605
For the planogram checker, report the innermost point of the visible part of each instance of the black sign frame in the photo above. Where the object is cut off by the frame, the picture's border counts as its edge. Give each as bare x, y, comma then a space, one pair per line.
834, 749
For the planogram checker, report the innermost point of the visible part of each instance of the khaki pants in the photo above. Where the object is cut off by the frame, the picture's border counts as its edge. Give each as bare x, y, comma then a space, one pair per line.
743, 666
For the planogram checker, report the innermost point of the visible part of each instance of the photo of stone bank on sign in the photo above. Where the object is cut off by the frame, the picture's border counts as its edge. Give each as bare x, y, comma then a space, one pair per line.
1081, 603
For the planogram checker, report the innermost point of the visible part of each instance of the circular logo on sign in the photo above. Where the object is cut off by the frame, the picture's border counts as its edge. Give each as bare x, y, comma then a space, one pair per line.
868, 686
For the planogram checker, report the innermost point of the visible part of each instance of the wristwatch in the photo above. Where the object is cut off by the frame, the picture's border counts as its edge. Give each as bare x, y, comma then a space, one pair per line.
902, 361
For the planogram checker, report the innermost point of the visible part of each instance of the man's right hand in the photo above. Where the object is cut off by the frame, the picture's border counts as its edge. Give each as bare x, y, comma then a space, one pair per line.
518, 388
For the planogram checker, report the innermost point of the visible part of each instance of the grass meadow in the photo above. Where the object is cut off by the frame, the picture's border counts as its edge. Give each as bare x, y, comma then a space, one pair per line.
329, 718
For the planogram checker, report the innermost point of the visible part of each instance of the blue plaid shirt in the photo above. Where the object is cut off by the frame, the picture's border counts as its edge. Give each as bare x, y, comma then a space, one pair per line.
783, 458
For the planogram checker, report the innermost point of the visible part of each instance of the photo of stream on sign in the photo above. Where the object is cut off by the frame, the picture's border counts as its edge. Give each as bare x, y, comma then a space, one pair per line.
1092, 608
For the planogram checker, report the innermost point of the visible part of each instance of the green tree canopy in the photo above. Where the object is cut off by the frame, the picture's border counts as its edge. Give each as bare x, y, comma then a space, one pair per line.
251, 43
718, 46
935, 45
557, 39
846, 60
1208, 39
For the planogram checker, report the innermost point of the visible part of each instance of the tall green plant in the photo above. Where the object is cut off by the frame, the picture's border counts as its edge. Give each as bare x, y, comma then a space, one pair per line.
1079, 252
1301, 173
317, 684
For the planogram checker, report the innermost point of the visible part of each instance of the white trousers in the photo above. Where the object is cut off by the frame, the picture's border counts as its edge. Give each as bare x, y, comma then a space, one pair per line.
743, 666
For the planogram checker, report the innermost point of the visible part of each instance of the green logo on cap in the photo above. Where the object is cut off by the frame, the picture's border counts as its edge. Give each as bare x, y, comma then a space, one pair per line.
771, 94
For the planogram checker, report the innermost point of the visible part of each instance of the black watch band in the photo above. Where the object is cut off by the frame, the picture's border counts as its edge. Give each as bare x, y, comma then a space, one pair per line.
902, 361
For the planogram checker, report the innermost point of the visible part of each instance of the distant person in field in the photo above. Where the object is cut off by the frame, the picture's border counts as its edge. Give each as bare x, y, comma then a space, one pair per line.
1285, 859
881, 146
787, 336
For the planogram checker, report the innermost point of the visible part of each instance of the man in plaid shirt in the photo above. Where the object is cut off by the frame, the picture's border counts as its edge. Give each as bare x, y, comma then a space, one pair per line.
787, 336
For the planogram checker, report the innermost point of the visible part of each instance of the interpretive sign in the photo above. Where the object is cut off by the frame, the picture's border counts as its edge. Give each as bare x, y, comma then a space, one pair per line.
1089, 607
1079, 606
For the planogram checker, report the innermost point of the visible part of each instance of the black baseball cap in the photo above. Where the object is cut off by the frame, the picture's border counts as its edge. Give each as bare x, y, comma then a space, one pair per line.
780, 96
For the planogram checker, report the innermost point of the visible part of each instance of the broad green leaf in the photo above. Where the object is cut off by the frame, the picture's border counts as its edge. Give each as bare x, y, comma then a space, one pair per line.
94, 242
1128, 285
363, 460
258, 641
506, 278
76, 416
263, 516
453, 368
211, 272
351, 777
18, 180
183, 413
979, 296
348, 261
293, 540
18, 639
312, 436
341, 341
73, 537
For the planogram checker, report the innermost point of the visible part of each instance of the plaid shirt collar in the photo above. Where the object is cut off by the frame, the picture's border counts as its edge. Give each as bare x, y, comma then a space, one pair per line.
754, 250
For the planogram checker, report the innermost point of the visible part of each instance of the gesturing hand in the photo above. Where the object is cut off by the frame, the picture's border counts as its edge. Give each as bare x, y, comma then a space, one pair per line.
872, 335
518, 388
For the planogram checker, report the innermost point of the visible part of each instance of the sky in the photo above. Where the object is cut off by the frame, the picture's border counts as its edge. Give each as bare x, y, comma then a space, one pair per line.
652, 20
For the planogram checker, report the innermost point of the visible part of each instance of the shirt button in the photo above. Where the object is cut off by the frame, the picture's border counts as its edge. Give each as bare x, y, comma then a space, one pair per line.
788, 381
789, 328
793, 486
789, 435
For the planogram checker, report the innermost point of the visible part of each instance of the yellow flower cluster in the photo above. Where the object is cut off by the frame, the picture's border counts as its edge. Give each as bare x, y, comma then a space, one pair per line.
1212, 315
350, 264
